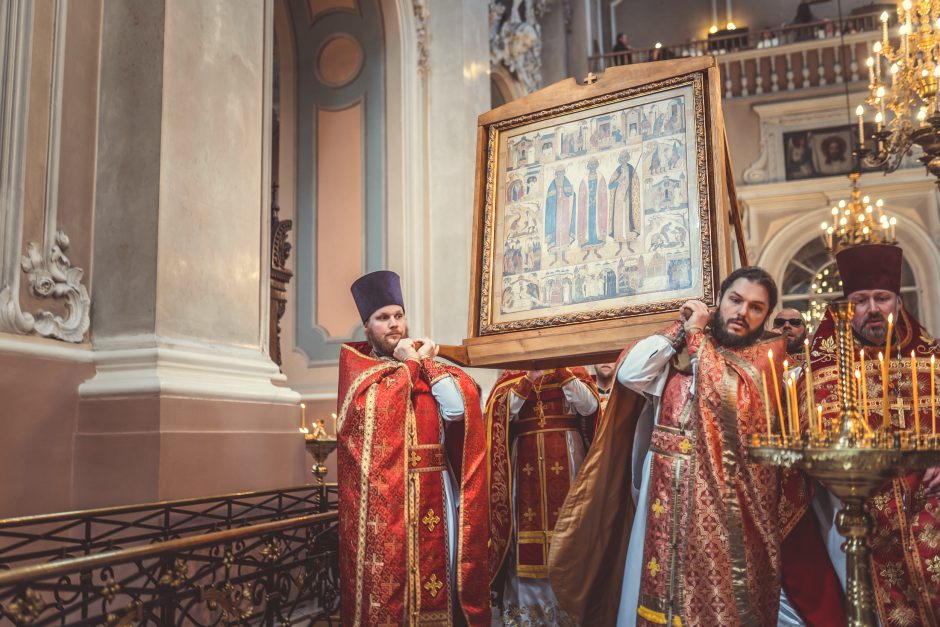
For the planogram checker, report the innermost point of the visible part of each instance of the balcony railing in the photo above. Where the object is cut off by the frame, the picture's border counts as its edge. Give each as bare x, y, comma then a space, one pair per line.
784, 59
49, 537
276, 573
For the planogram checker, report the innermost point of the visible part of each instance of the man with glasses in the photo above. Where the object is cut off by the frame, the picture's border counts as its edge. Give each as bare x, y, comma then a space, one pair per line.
791, 324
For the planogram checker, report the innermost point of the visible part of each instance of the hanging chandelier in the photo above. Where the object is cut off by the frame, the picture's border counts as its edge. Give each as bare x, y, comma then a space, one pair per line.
902, 78
858, 221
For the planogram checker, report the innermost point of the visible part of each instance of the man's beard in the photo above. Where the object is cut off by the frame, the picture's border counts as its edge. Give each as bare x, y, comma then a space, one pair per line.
796, 344
384, 347
874, 336
729, 340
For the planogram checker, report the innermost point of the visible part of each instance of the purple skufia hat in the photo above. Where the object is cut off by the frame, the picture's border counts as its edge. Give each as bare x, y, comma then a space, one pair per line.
376, 290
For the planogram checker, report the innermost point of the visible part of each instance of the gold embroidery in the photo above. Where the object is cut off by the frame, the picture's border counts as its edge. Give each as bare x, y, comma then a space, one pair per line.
658, 508
933, 567
653, 567
433, 585
529, 514
557, 468
431, 520
880, 501
828, 345
684, 446
415, 458
892, 573
366, 462
528, 469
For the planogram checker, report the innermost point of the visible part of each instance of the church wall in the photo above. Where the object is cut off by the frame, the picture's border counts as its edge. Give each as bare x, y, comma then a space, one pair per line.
39, 414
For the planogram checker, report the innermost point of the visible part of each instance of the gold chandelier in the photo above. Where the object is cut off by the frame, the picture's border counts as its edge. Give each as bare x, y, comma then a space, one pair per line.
903, 77
858, 221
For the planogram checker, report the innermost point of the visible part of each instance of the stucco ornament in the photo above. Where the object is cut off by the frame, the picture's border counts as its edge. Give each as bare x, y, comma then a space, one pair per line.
50, 277
516, 40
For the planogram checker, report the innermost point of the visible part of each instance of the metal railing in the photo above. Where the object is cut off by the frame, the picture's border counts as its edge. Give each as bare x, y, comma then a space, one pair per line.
275, 573
787, 58
49, 537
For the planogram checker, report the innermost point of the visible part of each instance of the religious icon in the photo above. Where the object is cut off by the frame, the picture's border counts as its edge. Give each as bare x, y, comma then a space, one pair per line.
610, 201
597, 204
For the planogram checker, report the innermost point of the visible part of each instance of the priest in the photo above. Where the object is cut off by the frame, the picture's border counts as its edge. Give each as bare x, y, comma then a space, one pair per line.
683, 529
549, 416
411, 446
905, 548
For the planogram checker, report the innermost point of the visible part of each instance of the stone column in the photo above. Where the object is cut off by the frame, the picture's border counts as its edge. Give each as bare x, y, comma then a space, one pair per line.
185, 399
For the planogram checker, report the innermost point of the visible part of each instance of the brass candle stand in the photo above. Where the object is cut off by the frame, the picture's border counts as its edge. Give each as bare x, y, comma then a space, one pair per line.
854, 463
319, 449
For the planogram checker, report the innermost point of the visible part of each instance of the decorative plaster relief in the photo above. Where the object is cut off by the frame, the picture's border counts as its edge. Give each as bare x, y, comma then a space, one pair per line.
423, 36
49, 277
516, 40
48, 269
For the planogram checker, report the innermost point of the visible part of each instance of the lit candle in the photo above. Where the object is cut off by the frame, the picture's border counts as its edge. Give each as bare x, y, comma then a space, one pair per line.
773, 372
914, 388
859, 111
763, 376
870, 62
884, 27
793, 432
335, 433
884, 390
303, 415
810, 389
864, 386
796, 407
933, 398
819, 417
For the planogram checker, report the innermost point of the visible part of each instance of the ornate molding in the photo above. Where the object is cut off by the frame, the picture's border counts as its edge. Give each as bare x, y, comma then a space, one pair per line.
51, 276
422, 15
516, 39
280, 275
49, 272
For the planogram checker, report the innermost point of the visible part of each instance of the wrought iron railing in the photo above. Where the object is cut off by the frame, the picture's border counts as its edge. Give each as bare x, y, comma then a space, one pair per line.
49, 537
743, 39
275, 573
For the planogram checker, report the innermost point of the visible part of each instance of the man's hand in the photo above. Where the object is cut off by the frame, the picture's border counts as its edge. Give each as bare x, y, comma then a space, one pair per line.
534, 375
405, 349
931, 481
427, 348
695, 313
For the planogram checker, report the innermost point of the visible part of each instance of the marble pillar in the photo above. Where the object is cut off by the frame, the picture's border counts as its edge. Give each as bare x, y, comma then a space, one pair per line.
185, 399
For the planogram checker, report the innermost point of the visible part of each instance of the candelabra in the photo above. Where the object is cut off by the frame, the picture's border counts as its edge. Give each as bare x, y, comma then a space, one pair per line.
902, 77
852, 460
854, 223
319, 449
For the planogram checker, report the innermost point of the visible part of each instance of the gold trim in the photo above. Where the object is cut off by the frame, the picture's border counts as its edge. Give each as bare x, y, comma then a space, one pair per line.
657, 617
733, 516
368, 431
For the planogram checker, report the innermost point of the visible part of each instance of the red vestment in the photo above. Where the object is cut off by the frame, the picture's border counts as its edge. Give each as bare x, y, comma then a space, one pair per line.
711, 552
542, 474
905, 546
393, 525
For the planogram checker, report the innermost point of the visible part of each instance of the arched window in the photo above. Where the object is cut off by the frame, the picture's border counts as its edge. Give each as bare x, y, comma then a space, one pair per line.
811, 280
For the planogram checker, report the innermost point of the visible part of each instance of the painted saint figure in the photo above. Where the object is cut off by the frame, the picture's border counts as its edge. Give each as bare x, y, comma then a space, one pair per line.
559, 215
624, 204
592, 211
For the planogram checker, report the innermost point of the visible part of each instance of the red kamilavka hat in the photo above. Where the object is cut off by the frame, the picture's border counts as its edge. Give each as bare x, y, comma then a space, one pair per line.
870, 267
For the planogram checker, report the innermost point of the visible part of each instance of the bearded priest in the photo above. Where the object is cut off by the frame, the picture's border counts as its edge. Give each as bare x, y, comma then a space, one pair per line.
905, 546
411, 447
682, 528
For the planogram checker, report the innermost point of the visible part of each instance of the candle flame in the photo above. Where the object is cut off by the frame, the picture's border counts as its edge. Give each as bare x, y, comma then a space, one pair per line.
770, 354
881, 356
303, 406
890, 318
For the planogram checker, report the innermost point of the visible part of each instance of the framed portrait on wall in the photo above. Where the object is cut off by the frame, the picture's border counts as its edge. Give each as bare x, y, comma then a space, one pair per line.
601, 209
822, 151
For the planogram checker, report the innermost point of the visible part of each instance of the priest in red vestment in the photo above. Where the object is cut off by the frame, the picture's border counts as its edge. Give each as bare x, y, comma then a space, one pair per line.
549, 416
905, 547
413, 506
681, 528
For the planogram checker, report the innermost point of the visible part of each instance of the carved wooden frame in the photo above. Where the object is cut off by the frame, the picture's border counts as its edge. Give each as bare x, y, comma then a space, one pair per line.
595, 336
